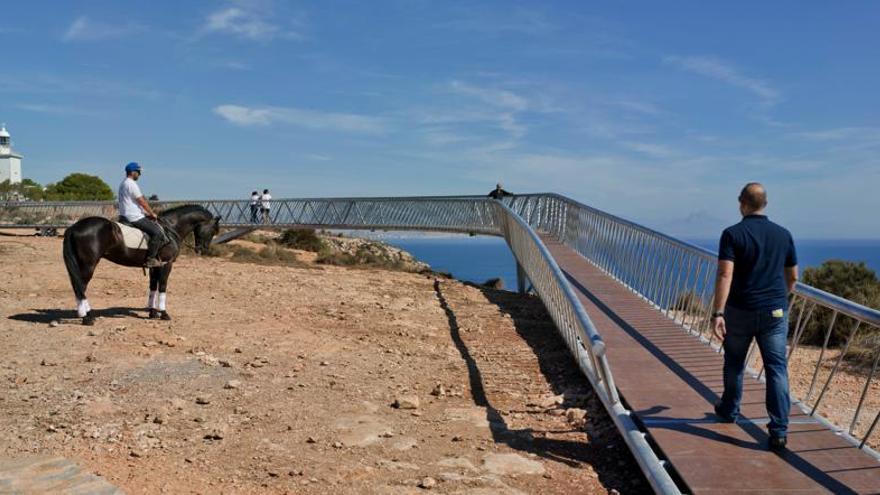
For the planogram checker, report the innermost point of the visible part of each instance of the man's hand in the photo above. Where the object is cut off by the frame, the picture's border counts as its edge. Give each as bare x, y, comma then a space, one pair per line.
719, 327
151, 215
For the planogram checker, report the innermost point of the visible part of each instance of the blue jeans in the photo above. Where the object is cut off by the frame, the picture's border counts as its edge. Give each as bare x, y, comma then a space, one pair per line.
771, 334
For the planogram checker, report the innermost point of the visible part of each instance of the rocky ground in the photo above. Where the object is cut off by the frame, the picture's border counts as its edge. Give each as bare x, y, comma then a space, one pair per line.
296, 379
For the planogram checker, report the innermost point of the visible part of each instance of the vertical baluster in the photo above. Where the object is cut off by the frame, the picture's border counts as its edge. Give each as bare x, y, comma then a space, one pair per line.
855, 419
821, 355
849, 340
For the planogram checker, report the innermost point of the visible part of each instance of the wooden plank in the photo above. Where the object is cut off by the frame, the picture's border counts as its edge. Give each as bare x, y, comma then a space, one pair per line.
671, 380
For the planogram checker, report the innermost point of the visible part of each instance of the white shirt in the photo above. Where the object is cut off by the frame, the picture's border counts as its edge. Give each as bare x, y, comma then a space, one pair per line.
255, 199
128, 193
264, 200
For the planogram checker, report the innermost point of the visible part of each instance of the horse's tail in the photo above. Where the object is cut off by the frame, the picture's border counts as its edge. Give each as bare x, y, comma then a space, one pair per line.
72, 264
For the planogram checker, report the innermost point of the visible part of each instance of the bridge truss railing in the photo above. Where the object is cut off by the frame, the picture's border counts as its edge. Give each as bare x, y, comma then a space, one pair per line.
475, 215
677, 278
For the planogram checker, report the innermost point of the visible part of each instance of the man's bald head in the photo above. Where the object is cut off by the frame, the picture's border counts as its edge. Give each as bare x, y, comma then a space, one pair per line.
753, 197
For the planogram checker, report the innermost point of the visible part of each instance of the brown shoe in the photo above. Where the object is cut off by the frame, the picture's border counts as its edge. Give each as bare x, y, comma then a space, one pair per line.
153, 263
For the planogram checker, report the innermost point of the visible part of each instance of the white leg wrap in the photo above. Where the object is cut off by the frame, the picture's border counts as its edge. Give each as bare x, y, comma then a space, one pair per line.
162, 301
82, 307
88, 306
152, 301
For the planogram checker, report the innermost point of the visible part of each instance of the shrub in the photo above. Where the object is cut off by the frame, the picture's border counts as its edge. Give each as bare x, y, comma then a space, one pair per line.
302, 239
79, 187
847, 279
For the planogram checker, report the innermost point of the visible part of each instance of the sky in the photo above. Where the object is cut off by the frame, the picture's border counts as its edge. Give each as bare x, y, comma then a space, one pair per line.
655, 111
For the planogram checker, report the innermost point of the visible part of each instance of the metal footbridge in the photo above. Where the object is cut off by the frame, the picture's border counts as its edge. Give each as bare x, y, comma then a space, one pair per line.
632, 305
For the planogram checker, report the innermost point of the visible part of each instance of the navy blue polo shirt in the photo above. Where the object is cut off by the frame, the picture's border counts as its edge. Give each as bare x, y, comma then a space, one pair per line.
760, 250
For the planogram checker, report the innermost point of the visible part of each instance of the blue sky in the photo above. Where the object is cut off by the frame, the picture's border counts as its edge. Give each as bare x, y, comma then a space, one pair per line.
656, 111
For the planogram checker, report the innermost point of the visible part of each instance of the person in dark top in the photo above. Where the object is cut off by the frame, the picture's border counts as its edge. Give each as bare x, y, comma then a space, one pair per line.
757, 270
499, 192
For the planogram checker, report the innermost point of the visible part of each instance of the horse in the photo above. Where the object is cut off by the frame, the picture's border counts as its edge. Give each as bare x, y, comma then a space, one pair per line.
93, 238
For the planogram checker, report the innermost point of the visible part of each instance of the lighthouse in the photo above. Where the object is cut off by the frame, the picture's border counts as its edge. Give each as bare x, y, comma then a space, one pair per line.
10, 161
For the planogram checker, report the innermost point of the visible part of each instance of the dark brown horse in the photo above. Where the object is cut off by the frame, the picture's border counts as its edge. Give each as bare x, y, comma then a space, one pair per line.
93, 238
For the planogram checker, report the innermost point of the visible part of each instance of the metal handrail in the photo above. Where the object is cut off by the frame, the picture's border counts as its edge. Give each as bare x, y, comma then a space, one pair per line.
580, 335
678, 279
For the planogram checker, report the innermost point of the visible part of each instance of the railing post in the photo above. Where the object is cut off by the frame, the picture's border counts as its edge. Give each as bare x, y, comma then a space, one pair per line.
521, 279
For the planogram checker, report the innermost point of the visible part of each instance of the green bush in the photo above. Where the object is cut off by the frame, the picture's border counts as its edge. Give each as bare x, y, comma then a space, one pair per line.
302, 239
79, 187
847, 279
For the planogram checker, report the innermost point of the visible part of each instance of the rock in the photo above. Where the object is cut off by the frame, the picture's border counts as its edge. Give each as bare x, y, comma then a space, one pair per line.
311, 440
575, 414
232, 384
439, 391
135, 453
54, 323
337, 445
203, 400
552, 401
511, 464
406, 402
427, 483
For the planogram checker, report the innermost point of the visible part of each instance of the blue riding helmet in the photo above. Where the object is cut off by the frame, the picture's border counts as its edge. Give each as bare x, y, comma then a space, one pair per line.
132, 167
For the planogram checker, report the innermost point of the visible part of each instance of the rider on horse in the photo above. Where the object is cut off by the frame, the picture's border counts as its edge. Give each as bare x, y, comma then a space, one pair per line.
135, 211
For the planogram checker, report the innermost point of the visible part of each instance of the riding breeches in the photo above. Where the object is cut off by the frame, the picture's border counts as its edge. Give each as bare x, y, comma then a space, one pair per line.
155, 234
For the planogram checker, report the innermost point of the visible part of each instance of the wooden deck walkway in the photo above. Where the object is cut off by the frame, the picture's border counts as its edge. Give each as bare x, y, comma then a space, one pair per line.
670, 380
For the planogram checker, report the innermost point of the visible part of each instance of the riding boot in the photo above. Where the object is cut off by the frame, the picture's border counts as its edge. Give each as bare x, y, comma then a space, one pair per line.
153, 246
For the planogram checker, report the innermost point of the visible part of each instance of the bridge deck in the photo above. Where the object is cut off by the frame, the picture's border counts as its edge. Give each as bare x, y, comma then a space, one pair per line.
670, 381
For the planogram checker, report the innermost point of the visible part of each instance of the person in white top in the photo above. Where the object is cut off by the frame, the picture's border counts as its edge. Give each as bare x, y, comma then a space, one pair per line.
134, 210
265, 206
255, 207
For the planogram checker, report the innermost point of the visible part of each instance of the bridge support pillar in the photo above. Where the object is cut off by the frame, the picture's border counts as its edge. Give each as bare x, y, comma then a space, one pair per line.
521, 279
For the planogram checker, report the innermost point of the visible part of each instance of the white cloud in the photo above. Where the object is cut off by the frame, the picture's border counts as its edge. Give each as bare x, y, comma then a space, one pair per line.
495, 97
55, 109
717, 69
653, 150
843, 134
496, 22
250, 23
84, 29
309, 119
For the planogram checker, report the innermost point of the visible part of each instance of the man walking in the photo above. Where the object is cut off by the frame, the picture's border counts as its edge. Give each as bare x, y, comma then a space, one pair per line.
134, 210
757, 270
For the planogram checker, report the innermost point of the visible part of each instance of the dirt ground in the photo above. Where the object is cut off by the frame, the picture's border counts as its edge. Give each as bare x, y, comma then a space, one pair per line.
277, 379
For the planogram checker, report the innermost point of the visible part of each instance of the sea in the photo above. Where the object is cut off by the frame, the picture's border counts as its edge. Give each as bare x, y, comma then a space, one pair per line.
480, 258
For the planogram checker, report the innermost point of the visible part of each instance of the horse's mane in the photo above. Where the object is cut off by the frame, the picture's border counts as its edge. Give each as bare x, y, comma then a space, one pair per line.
185, 209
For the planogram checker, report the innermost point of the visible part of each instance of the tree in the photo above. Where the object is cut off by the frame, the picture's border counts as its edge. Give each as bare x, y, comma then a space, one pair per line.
847, 279
27, 189
79, 187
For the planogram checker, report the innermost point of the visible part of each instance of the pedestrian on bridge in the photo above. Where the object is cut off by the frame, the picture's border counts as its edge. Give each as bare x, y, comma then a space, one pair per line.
265, 205
757, 270
255, 207
499, 192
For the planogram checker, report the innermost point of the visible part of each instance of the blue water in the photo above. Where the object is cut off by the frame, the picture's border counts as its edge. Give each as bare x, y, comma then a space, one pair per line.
813, 252
477, 259
474, 259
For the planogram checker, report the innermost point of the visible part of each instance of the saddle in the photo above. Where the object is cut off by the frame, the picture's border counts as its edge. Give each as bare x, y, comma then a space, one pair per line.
135, 238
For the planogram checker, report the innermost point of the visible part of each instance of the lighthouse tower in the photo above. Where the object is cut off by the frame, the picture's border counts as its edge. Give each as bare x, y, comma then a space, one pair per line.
10, 161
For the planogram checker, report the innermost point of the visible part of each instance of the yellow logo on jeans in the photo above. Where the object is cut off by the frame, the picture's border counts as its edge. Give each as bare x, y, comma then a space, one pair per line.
778, 313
